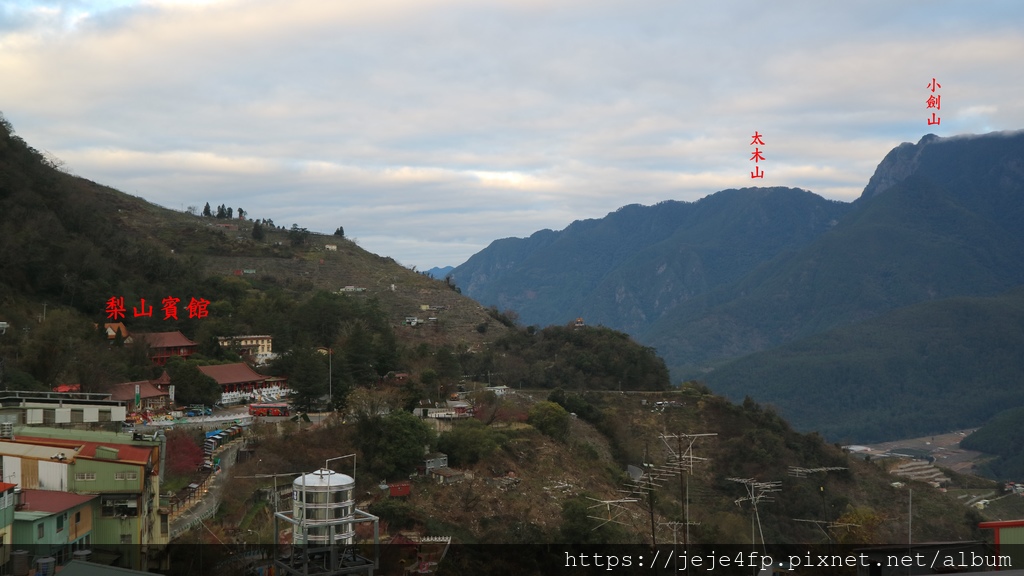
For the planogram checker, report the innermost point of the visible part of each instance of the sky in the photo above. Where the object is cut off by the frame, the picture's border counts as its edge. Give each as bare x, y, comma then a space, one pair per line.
430, 128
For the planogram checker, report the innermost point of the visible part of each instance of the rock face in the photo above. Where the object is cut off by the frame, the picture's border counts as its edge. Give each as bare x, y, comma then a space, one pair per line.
898, 164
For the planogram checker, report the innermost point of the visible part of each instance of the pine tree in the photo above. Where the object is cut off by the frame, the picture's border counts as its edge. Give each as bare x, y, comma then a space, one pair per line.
206, 210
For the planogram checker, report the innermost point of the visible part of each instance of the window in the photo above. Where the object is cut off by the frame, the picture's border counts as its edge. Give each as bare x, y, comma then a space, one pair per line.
85, 476
126, 538
78, 517
60, 522
126, 475
118, 506
39, 530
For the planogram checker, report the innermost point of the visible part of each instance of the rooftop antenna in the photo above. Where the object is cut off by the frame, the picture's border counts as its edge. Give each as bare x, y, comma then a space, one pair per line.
824, 526
684, 460
651, 477
800, 472
756, 493
614, 509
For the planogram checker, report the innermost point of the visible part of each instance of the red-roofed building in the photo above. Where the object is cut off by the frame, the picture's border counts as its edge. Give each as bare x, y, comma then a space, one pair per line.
164, 345
150, 397
1009, 536
55, 523
240, 383
108, 451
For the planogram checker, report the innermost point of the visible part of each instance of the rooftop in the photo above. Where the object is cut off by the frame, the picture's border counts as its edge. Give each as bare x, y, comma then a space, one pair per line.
101, 436
44, 447
164, 339
36, 451
125, 392
237, 373
51, 501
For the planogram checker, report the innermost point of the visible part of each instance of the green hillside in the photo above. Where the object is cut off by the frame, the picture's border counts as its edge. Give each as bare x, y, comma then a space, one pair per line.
903, 374
71, 245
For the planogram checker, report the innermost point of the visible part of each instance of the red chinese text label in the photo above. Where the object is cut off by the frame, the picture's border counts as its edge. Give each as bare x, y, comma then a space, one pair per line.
196, 308
934, 101
756, 142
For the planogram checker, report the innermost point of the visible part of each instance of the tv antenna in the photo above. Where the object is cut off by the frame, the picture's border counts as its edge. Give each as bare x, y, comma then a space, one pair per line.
684, 461
614, 510
798, 472
757, 492
825, 526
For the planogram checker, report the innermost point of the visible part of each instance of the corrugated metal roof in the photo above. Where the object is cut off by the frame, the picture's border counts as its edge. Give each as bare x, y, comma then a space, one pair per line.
51, 501
125, 452
38, 452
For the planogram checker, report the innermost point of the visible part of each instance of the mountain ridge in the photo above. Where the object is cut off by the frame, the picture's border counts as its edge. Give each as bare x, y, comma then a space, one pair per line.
938, 220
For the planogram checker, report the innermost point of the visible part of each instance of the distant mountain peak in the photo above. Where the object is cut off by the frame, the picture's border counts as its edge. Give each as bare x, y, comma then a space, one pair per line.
898, 164
905, 159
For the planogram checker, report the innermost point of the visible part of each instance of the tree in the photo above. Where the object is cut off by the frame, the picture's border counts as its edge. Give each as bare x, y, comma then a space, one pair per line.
550, 419
221, 212
241, 213
191, 386
307, 375
297, 236
447, 363
340, 232
393, 444
359, 353
229, 213
183, 453
206, 210
468, 442
257, 231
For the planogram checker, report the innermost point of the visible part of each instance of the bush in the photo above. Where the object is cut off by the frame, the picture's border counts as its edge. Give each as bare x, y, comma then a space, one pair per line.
550, 419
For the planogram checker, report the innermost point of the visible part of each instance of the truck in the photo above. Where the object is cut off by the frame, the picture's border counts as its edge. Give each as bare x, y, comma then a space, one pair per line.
199, 410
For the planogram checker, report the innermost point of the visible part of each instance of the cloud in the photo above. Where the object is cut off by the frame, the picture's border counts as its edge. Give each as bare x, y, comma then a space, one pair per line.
428, 128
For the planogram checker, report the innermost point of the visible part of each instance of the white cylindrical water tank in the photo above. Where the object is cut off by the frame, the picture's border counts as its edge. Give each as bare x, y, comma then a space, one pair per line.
323, 502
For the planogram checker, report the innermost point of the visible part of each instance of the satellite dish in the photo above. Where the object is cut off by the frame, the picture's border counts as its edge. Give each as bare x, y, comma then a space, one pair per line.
634, 472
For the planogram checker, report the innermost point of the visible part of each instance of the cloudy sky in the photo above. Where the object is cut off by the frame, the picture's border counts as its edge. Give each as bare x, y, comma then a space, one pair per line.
429, 128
